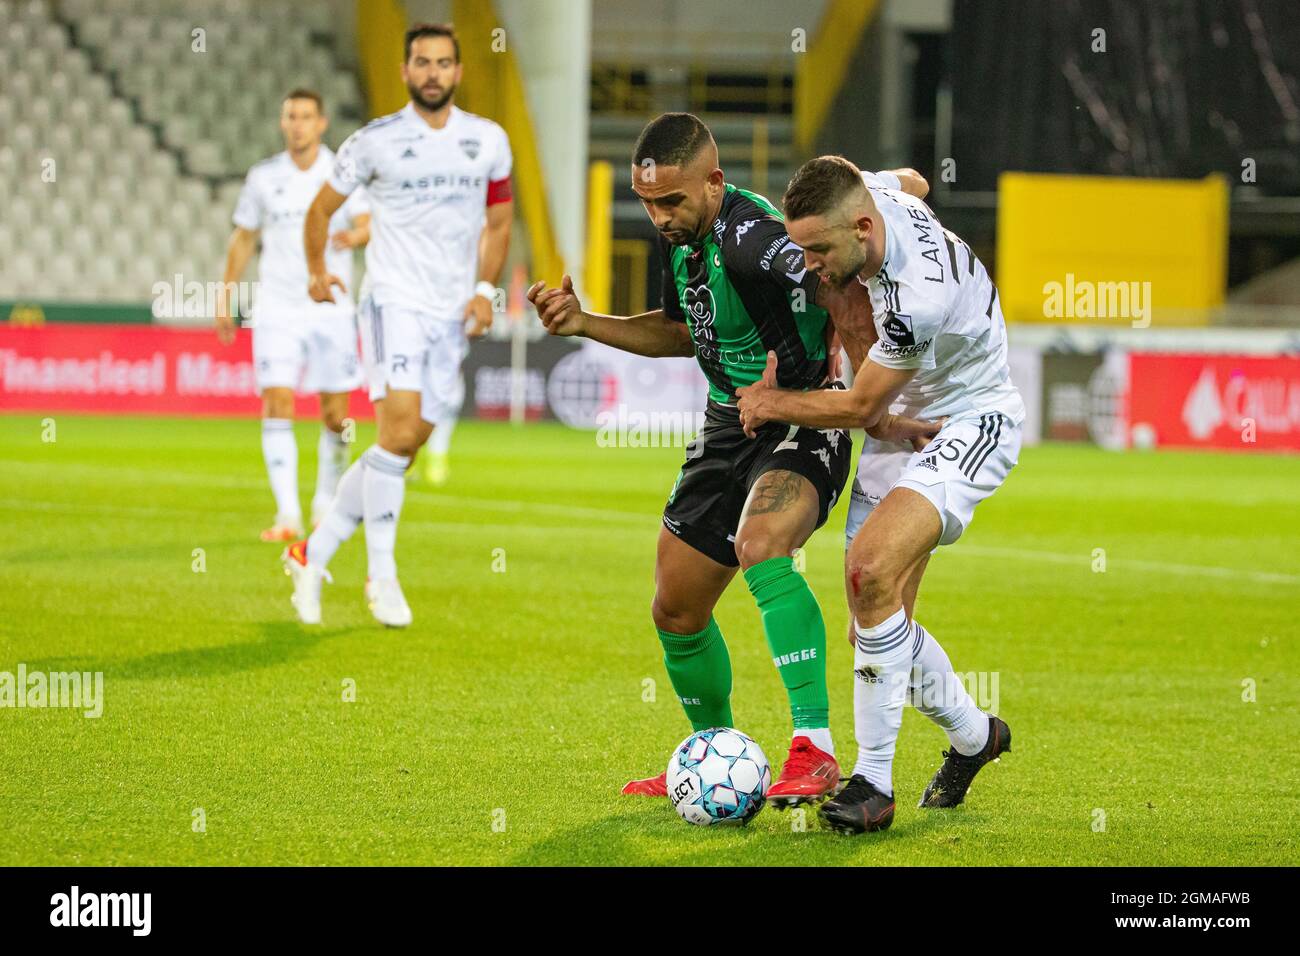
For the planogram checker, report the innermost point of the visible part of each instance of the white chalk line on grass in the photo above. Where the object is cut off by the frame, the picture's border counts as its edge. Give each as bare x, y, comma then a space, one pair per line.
650, 521
509, 505
1123, 564
136, 511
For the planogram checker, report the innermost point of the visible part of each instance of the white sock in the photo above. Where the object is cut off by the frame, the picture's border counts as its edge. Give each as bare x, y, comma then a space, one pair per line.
440, 440
938, 692
280, 450
384, 488
882, 663
331, 459
820, 737
342, 518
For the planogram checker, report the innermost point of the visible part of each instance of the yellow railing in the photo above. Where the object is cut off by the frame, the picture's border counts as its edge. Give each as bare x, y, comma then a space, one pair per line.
821, 72
381, 25
493, 87
629, 260
615, 89
600, 233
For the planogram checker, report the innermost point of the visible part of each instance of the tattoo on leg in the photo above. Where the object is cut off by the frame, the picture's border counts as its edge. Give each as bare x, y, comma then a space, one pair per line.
776, 491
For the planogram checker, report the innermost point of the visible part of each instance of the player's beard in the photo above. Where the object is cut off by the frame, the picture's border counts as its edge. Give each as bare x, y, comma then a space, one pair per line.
850, 274
431, 105
680, 237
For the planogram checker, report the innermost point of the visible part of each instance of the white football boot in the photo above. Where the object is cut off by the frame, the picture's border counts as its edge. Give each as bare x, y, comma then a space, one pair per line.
387, 603
306, 582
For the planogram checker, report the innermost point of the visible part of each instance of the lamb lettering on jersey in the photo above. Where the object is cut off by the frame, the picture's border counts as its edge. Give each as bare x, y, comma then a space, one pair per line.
922, 223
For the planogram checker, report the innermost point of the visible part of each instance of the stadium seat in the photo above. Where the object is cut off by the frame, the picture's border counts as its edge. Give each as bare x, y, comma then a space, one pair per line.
139, 195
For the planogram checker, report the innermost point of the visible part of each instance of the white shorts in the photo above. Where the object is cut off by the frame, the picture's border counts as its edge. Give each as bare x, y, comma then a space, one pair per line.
412, 351
307, 353
965, 463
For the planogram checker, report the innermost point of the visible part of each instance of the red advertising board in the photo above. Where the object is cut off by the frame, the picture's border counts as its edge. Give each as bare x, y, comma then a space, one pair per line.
133, 369
1239, 402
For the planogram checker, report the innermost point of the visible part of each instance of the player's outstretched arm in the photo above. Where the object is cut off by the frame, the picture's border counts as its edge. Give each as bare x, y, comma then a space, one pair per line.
912, 182
865, 405
650, 333
315, 233
240, 248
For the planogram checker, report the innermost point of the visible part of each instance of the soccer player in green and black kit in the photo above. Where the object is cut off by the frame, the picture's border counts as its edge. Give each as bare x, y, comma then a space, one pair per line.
735, 288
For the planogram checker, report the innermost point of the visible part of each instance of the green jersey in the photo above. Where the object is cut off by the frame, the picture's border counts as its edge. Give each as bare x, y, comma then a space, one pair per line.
744, 291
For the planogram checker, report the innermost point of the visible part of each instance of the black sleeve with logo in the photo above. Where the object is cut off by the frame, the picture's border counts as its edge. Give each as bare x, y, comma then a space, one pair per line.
767, 271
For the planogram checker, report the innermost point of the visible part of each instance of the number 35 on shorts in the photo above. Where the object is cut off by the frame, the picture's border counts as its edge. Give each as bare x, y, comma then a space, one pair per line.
965, 463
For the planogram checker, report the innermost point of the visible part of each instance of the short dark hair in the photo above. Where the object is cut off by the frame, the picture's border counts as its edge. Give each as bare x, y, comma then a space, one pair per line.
672, 139
302, 93
421, 30
819, 186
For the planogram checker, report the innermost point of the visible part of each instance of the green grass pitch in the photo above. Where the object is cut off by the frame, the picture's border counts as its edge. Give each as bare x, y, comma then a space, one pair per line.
499, 728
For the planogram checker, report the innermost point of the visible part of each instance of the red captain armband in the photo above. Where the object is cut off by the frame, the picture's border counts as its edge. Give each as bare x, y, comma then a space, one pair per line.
499, 191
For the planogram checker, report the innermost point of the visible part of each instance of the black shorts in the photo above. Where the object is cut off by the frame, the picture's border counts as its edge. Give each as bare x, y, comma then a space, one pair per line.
722, 465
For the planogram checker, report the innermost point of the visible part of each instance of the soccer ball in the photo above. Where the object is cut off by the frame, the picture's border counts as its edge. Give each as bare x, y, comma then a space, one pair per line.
718, 776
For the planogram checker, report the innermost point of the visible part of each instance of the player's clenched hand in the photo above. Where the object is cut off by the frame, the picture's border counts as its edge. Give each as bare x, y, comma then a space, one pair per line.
478, 316
925, 432
834, 353
901, 430
559, 309
321, 284
346, 239
754, 400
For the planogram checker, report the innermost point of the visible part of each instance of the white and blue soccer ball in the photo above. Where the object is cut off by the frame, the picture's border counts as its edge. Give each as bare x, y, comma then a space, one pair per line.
718, 776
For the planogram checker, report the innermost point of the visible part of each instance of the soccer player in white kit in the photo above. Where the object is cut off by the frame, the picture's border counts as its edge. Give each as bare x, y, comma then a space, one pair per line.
939, 353
439, 182
296, 340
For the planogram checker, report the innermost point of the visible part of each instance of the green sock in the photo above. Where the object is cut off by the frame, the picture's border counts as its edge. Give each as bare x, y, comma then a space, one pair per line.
700, 669
796, 635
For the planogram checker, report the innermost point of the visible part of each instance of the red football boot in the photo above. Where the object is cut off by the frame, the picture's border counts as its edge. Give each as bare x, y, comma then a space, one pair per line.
810, 774
649, 787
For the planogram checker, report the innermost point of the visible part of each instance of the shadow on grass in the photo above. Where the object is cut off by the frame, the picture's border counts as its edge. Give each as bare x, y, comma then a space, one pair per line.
281, 642
651, 834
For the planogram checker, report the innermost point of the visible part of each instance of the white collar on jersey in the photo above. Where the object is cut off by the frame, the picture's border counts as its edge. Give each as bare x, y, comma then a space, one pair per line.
323, 155
452, 116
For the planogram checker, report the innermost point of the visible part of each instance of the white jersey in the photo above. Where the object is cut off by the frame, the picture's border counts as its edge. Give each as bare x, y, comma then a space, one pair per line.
275, 200
430, 189
937, 311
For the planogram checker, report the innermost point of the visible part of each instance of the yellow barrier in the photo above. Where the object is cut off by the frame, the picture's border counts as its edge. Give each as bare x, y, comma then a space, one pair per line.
381, 25
629, 265
820, 72
493, 87
600, 235
1110, 250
